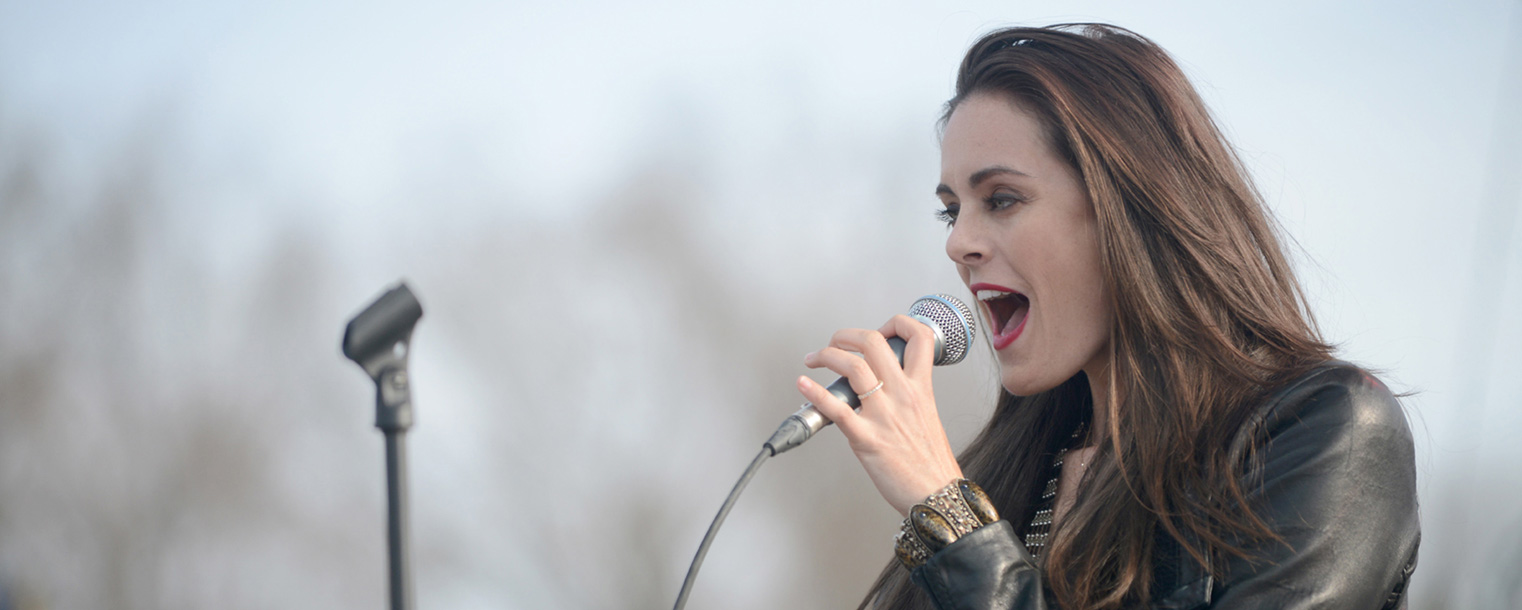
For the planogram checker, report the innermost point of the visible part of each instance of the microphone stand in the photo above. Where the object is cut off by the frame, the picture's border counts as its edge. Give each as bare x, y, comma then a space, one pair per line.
393, 416
379, 340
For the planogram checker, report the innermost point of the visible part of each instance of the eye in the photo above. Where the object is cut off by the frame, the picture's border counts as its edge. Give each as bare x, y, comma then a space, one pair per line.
948, 214
1002, 200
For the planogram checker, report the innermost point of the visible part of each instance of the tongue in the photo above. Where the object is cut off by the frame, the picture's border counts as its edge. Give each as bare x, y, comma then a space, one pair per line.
1015, 319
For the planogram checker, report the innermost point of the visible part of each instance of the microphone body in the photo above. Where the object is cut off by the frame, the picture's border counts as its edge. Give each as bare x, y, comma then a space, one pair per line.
955, 328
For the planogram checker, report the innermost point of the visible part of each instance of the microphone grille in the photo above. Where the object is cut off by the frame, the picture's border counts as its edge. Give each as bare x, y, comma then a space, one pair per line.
955, 322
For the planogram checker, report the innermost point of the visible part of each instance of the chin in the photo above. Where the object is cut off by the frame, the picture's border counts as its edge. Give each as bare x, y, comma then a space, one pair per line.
1025, 383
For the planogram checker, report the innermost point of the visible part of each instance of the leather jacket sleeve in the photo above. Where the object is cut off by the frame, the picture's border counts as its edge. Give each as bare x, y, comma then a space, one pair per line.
1337, 482
988, 568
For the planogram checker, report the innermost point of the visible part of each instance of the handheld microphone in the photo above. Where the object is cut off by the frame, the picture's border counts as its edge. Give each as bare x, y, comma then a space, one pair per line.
955, 328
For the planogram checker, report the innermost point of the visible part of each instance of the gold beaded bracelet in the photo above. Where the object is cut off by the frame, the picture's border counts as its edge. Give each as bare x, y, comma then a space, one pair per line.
954, 511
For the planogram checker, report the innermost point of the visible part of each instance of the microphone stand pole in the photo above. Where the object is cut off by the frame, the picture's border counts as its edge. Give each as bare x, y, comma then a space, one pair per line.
393, 415
379, 340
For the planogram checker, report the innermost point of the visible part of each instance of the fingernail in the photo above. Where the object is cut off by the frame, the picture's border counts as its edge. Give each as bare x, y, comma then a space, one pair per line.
803, 382
809, 357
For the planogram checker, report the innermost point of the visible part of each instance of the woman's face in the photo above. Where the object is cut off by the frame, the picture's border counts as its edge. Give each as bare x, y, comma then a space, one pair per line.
1025, 241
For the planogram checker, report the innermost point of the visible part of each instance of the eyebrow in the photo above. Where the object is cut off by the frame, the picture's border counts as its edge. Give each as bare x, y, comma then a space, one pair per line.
978, 177
988, 172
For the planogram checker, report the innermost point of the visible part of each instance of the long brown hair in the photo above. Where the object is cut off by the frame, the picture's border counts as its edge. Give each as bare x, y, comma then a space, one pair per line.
1208, 318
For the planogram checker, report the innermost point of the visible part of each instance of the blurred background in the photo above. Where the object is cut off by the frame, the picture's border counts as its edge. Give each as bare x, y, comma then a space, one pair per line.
627, 222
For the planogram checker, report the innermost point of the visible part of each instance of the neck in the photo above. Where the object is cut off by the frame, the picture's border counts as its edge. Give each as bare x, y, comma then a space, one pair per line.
1099, 390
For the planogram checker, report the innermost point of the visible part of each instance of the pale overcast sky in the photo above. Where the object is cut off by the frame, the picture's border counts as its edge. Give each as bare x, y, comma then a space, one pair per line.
1372, 128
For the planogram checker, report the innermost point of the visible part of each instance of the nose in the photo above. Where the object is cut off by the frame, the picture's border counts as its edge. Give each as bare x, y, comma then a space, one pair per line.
966, 245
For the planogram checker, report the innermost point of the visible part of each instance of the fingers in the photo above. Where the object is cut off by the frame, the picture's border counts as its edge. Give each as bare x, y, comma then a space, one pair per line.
848, 365
919, 354
881, 363
873, 347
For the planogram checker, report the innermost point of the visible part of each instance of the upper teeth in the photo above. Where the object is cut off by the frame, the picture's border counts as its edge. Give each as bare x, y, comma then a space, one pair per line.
985, 295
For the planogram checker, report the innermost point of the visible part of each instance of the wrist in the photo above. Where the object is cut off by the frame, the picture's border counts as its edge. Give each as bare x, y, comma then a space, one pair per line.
924, 488
940, 519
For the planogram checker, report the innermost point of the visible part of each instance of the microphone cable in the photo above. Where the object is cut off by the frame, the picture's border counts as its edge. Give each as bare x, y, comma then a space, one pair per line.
713, 528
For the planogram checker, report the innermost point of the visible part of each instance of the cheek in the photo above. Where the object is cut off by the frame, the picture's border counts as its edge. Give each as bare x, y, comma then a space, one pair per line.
1094, 295
1076, 273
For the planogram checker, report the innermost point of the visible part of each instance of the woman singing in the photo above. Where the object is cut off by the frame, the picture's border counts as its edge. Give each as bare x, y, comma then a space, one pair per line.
1171, 431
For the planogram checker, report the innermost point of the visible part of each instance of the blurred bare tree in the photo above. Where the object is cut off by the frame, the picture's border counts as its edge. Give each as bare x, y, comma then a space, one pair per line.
180, 432
141, 405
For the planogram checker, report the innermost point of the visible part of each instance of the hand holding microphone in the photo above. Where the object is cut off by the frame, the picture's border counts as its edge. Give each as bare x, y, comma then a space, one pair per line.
895, 431
900, 412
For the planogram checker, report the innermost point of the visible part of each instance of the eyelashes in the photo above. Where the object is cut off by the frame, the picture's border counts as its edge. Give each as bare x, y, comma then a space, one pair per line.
947, 214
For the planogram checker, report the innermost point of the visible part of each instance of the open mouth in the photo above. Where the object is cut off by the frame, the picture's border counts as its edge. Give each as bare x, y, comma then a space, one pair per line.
1006, 314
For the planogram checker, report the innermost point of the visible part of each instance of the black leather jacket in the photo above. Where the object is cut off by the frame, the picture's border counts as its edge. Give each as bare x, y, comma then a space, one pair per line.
1338, 483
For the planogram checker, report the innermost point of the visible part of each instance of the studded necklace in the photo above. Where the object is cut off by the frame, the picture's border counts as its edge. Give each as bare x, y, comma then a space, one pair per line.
1040, 529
